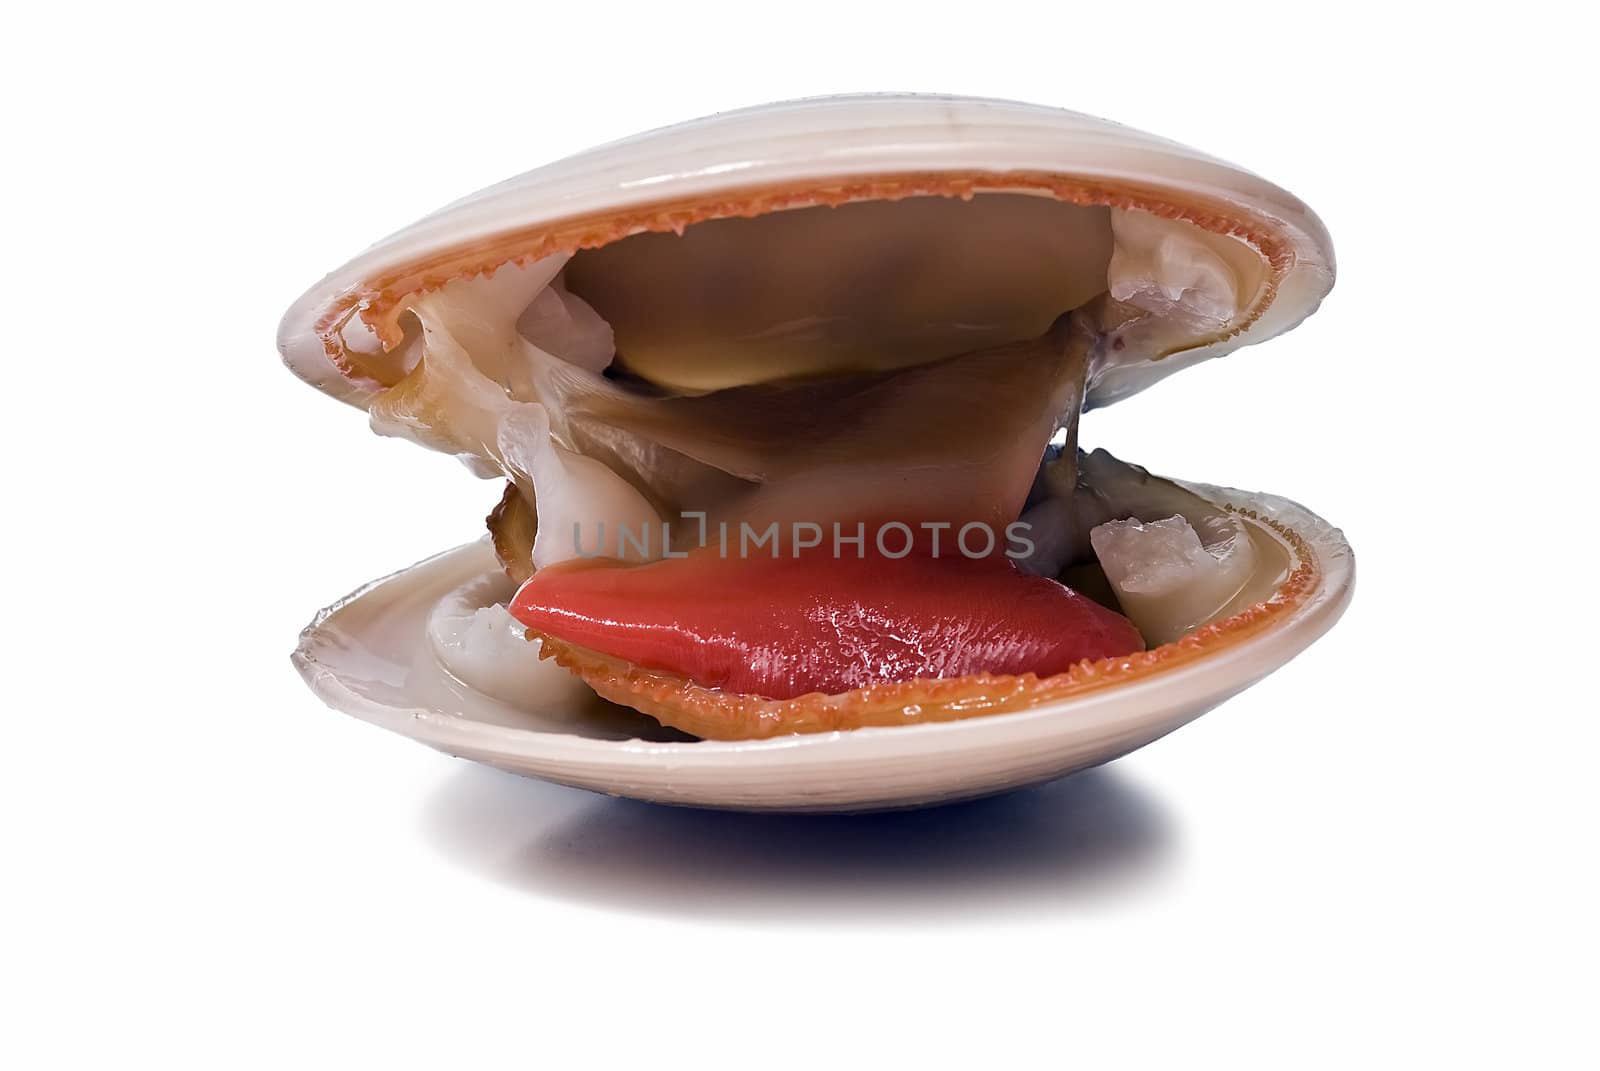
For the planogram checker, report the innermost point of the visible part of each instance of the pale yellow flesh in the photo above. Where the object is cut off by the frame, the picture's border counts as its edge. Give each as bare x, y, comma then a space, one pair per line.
868, 286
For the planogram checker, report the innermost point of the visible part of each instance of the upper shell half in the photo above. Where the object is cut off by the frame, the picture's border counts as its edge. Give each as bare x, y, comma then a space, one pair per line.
829, 151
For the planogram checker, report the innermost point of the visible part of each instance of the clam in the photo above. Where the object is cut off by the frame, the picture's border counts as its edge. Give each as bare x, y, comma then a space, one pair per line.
742, 376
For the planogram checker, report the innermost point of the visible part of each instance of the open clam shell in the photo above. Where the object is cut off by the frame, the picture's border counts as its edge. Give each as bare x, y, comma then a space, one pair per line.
1189, 258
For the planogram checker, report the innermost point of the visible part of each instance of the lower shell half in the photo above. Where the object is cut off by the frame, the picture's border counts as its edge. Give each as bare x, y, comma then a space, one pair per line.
392, 653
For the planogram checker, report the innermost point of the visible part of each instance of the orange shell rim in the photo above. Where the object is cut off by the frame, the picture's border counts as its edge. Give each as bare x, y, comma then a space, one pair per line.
379, 300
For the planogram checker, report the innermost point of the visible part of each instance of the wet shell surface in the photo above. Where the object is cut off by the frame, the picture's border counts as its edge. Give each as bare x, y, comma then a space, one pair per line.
397, 652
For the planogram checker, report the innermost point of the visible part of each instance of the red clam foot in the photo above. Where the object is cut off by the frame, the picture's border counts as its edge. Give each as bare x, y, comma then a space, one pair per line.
818, 643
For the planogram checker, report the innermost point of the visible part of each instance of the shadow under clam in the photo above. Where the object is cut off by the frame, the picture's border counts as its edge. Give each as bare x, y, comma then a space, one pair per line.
1086, 839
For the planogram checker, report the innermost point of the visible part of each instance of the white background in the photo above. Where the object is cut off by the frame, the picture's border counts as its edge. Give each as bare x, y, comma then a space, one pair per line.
1382, 856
